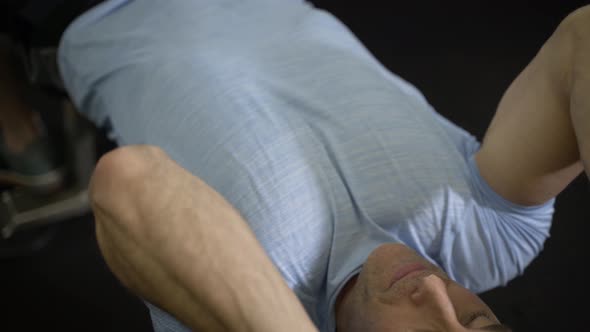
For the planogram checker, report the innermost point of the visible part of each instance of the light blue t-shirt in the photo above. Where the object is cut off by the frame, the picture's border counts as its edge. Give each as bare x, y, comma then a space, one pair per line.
324, 152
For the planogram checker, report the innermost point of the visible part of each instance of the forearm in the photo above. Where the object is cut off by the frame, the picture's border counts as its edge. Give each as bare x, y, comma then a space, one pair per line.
240, 284
229, 277
178, 243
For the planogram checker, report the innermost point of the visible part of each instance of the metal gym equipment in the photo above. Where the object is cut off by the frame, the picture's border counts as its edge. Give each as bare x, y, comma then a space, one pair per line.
22, 209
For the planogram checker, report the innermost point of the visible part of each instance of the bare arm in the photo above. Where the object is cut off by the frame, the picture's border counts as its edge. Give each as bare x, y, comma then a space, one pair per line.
173, 240
532, 148
580, 83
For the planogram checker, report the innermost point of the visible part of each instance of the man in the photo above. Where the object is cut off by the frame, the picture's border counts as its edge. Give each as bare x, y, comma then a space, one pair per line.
296, 184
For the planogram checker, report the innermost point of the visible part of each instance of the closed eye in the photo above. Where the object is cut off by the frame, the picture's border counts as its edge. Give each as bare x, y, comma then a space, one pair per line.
473, 316
484, 314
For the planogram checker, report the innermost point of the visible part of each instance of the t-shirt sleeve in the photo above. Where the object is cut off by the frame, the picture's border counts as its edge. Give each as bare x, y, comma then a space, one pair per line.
491, 240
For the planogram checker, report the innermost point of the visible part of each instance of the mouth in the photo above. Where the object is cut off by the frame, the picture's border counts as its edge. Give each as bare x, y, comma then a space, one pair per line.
406, 271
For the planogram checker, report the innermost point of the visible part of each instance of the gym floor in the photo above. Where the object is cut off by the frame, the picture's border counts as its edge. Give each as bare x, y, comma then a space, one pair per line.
462, 56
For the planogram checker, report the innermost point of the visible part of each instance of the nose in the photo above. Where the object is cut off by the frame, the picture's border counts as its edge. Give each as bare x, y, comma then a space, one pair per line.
431, 290
432, 299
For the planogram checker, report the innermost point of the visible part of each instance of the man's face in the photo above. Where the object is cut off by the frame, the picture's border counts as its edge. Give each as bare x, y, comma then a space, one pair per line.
398, 290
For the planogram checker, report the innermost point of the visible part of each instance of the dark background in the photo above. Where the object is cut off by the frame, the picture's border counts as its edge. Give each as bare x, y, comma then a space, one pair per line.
462, 56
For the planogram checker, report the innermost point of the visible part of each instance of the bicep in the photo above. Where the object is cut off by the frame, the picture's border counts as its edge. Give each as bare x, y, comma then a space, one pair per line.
580, 83
530, 153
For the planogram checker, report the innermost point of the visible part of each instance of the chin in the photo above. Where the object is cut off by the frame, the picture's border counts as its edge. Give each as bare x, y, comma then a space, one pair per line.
393, 260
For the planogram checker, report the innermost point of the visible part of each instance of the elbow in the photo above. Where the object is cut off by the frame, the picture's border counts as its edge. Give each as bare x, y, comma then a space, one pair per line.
121, 178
